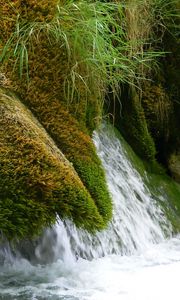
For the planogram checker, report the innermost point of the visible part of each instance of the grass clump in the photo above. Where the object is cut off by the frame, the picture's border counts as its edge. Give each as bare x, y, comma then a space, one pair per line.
146, 118
99, 49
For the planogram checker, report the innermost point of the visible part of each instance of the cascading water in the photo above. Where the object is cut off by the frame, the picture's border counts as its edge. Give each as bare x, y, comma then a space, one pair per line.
70, 264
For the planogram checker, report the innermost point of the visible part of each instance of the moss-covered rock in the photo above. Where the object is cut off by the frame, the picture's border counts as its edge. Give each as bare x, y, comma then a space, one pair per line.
158, 110
67, 120
131, 122
77, 147
174, 166
36, 180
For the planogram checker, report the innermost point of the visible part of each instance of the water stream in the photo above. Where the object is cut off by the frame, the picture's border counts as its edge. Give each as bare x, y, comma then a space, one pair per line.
136, 258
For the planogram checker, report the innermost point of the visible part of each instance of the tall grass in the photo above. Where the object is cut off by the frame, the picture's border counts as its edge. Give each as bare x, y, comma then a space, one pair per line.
167, 14
106, 43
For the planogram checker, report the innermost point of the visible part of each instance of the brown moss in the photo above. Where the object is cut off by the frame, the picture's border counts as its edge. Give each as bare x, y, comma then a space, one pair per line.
67, 121
77, 146
8, 16
42, 10
49, 65
29, 10
36, 180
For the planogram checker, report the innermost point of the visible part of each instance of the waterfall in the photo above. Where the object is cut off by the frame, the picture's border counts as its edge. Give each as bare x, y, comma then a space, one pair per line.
69, 263
137, 220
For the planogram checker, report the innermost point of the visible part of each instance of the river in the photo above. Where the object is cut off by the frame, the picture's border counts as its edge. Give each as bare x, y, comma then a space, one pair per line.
135, 258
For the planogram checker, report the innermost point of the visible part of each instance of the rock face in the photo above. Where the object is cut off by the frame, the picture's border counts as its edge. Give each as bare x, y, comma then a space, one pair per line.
37, 182
174, 166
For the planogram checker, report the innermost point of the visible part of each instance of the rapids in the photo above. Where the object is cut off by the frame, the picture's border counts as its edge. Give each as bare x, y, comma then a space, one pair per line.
135, 258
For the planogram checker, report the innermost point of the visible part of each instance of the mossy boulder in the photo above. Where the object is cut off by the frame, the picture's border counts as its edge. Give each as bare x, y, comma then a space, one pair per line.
37, 182
77, 147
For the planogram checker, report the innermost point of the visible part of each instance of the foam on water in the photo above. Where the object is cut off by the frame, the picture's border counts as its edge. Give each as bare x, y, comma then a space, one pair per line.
137, 220
151, 275
132, 259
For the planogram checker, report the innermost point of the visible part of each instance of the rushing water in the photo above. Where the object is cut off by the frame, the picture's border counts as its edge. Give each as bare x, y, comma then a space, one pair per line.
136, 258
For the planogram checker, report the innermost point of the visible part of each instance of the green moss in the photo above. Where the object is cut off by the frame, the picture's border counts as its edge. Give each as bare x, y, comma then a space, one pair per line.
132, 124
92, 175
87, 202
67, 120
77, 147
141, 165
167, 193
36, 180
174, 166
157, 108
158, 111
163, 189
63, 92
49, 58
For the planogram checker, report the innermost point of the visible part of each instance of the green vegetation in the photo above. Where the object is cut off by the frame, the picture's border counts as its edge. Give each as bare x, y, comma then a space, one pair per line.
163, 189
166, 192
36, 180
63, 59
108, 55
148, 113
133, 125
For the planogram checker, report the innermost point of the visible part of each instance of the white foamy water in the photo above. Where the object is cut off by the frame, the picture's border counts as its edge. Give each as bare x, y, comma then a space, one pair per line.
134, 259
152, 275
